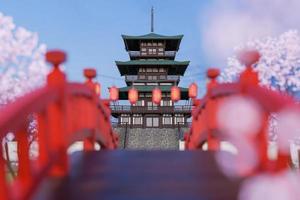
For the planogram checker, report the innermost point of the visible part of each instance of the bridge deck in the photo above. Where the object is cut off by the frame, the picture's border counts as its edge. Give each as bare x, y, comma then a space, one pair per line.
144, 175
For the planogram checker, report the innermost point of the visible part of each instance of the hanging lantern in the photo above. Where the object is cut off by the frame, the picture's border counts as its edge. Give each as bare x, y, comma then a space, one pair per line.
113, 93
175, 94
156, 95
98, 89
133, 95
193, 90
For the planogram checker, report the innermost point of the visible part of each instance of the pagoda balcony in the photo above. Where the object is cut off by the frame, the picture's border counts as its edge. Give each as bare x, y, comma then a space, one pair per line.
159, 54
128, 109
132, 78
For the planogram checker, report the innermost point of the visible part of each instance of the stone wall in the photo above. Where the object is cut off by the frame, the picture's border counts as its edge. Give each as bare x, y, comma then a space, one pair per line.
149, 138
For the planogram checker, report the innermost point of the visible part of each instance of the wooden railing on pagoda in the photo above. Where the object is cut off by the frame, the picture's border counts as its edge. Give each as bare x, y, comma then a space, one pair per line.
124, 109
65, 113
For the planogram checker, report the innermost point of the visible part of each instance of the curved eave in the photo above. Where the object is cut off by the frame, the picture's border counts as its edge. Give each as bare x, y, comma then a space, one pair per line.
132, 67
152, 36
132, 43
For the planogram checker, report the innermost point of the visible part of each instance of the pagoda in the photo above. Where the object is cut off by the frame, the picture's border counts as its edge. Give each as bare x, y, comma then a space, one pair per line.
152, 65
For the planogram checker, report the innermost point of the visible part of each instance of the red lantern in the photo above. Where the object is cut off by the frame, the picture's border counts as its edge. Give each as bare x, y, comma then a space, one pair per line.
133, 95
156, 95
98, 89
113, 93
193, 90
175, 93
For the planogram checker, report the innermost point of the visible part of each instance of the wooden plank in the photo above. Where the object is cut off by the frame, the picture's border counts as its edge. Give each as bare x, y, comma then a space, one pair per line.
145, 175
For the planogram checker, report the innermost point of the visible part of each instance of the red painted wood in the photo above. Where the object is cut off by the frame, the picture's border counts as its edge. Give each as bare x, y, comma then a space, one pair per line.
66, 112
205, 127
42, 135
3, 181
24, 169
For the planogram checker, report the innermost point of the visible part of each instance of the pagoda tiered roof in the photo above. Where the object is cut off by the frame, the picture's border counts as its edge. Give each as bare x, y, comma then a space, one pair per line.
131, 67
132, 43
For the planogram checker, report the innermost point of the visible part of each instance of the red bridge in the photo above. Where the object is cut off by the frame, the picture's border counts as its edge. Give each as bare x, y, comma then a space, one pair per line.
68, 112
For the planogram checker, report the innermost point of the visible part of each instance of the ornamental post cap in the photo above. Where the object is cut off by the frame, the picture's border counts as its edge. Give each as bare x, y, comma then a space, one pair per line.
90, 73
249, 57
213, 73
56, 57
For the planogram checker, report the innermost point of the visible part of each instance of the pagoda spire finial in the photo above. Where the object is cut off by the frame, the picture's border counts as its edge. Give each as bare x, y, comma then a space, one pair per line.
152, 19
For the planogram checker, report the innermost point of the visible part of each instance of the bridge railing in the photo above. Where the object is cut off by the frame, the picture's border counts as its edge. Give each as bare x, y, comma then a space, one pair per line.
65, 113
211, 122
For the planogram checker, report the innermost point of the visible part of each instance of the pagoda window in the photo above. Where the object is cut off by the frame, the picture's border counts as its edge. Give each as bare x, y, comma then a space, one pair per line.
167, 119
141, 94
155, 121
143, 77
151, 105
143, 49
149, 121
160, 54
152, 121
149, 70
162, 77
139, 103
162, 70
143, 70
154, 44
160, 49
160, 44
178, 119
166, 103
137, 119
152, 77
149, 44
125, 119
155, 69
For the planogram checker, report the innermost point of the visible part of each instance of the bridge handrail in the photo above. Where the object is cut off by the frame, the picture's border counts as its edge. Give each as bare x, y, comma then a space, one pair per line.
65, 113
205, 128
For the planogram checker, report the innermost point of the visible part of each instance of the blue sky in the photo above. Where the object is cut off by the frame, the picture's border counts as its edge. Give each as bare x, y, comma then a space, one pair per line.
90, 30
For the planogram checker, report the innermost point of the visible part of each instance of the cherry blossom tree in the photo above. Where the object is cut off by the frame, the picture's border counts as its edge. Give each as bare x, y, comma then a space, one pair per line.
22, 65
22, 69
279, 66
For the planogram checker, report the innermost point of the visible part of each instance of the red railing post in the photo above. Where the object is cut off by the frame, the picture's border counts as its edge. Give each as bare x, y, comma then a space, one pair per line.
248, 78
56, 115
213, 143
90, 74
24, 168
42, 139
3, 181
